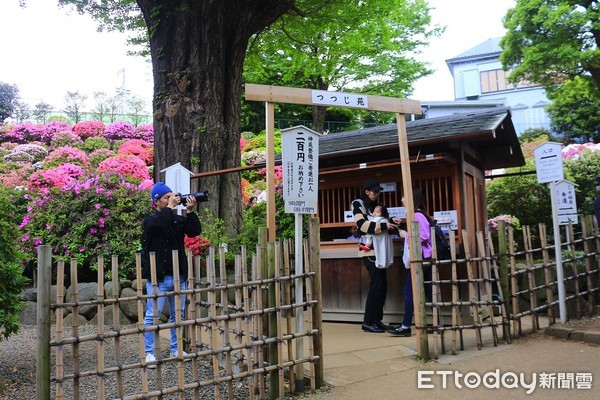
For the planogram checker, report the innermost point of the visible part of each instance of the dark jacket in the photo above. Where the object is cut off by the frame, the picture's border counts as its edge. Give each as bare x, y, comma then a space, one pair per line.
163, 232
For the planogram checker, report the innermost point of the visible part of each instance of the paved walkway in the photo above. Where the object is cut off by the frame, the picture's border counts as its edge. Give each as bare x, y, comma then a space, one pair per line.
361, 365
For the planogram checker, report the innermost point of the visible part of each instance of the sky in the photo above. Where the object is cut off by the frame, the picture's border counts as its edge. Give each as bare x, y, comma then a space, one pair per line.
48, 50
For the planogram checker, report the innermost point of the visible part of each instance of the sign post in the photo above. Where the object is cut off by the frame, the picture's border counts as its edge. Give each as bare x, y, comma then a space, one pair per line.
300, 167
549, 169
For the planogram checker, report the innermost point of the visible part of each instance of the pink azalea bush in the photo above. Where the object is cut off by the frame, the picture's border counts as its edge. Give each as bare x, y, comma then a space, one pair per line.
14, 175
62, 176
138, 148
66, 138
119, 130
576, 150
64, 155
96, 215
88, 129
97, 156
126, 165
510, 220
144, 132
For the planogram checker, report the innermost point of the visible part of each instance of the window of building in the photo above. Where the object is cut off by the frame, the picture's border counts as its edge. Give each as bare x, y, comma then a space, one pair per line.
495, 81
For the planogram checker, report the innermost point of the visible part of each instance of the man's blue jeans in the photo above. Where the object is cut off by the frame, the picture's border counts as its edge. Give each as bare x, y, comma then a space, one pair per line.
167, 285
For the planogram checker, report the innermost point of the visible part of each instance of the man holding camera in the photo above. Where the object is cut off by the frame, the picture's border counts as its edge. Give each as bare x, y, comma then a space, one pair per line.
163, 232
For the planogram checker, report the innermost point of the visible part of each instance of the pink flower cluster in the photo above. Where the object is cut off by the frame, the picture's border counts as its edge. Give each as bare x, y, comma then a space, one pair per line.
118, 131
576, 150
66, 154
145, 133
62, 176
139, 148
510, 220
125, 164
88, 129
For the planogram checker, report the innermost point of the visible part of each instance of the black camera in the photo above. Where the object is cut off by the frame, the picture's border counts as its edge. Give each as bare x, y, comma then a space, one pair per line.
200, 197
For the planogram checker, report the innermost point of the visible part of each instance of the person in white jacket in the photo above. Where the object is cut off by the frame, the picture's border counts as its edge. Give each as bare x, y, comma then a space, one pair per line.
381, 243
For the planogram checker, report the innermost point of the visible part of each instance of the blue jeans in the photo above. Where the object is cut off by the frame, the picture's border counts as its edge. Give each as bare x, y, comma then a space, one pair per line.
409, 306
167, 285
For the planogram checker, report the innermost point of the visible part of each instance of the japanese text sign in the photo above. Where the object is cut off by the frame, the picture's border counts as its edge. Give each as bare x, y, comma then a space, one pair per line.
548, 162
322, 97
300, 165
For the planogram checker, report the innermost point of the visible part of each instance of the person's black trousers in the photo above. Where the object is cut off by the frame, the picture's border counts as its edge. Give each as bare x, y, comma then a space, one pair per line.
377, 292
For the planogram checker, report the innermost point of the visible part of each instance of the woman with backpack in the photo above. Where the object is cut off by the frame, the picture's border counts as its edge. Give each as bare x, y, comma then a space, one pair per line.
424, 221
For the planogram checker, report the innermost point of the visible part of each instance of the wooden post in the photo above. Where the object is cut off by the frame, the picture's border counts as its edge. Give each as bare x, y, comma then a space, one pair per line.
314, 238
547, 275
75, 327
100, 346
585, 224
117, 320
503, 260
418, 287
272, 322
44, 280
60, 356
270, 120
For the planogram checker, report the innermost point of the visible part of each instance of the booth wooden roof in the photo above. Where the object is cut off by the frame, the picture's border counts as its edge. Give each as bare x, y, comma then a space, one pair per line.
490, 133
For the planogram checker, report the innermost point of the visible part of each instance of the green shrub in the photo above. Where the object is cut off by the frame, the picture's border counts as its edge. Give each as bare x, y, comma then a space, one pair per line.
582, 172
94, 143
13, 281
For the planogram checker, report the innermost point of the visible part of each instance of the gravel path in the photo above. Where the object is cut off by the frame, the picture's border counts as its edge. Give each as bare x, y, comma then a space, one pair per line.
18, 365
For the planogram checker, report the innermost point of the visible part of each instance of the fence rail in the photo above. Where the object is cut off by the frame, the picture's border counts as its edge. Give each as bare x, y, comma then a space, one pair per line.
241, 328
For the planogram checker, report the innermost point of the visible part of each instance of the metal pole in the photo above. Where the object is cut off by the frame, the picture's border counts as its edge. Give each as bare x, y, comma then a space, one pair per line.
558, 255
298, 263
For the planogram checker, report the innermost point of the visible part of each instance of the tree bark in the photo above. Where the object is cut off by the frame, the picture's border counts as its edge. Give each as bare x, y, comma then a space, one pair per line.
198, 49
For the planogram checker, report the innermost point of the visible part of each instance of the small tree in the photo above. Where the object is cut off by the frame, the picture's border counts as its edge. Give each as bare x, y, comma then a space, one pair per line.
9, 97
41, 112
74, 103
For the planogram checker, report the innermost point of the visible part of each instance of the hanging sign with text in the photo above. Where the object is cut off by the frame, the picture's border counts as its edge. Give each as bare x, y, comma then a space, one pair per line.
300, 167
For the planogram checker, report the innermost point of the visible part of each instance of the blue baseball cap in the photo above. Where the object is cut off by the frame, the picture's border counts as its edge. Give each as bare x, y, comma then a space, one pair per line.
159, 190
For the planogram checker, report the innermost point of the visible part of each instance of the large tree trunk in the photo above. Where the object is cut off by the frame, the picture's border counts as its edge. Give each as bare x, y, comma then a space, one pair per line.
198, 49
319, 112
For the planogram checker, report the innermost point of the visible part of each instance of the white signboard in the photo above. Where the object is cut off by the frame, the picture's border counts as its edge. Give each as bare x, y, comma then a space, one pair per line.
447, 220
339, 99
388, 186
300, 162
548, 162
564, 219
565, 198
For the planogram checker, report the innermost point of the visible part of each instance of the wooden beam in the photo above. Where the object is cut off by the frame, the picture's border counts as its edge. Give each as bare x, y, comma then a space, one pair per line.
279, 94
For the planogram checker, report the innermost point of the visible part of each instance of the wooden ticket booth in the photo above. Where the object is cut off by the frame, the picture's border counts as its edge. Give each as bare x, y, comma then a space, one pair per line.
448, 156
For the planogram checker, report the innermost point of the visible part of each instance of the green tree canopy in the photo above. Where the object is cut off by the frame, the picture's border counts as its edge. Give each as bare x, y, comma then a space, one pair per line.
575, 109
9, 99
362, 46
552, 41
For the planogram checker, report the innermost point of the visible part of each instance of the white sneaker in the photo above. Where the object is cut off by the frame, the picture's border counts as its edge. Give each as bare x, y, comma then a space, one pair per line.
150, 360
184, 355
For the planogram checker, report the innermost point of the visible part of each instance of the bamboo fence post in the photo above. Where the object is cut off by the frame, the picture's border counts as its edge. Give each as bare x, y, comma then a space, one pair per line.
141, 311
272, 322
530, 277
278, 315
100, 345
455, 295
514, 285
487, 284
309, 314
591, 303
75, 328
60, 360
434, 296
503, 262
472, 290
573, 249
248, 326
263, 300
495, 268
547, 275
314, 237
178, 327
212, 333
117, 321
238, 307
225, 311
193, 272
289, 313
257, 321
155, 321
